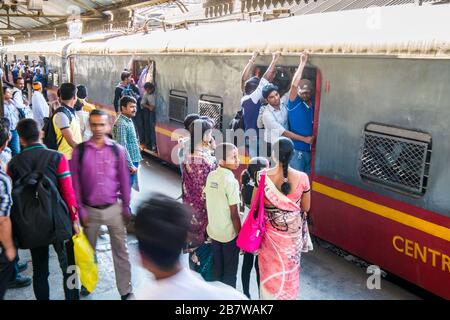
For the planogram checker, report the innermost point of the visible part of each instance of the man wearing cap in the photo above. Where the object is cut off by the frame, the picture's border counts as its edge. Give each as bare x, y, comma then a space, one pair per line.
301, 117
275, 118
40, 106
251, 101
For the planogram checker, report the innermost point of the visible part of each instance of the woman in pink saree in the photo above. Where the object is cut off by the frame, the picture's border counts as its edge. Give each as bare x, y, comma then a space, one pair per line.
287, 200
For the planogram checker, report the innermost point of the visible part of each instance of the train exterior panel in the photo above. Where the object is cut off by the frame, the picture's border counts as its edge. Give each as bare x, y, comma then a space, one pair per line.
404, 233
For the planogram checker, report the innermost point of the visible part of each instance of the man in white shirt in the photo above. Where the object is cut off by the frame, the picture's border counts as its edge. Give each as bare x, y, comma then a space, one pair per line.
19, 85
40, 106
275, 118
161, 226
251, 104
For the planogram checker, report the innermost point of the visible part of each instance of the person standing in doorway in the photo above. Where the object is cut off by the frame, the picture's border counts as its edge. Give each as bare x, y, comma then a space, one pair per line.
301, 117
148, 104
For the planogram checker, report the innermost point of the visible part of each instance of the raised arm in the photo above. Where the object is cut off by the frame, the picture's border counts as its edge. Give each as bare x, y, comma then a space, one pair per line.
298, 76
247, 70
270, 72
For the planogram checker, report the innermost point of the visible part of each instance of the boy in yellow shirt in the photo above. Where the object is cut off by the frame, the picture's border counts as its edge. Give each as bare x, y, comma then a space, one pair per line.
222, 200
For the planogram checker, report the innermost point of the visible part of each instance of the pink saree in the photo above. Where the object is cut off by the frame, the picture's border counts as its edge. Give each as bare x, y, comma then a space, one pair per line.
285, 239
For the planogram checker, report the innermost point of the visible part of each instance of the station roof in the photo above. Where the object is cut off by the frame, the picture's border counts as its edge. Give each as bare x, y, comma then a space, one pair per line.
18, 16
408, 31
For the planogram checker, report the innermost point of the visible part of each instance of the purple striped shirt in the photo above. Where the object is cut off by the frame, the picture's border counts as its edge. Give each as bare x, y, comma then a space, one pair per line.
103, 177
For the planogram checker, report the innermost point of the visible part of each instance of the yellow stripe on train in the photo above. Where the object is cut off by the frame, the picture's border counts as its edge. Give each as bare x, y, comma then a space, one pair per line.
383, 211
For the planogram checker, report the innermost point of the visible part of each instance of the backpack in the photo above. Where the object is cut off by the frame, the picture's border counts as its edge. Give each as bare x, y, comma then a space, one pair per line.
238, 121
128, 91
81, 148
49, 129
39, 215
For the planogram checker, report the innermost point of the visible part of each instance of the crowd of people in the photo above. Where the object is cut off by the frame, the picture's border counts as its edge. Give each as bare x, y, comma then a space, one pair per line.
215, 196
92, 167
36, 71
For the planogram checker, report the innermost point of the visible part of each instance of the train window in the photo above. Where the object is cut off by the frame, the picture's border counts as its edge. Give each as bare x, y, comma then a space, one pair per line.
396, 158
140, 66
178, 102
211, 106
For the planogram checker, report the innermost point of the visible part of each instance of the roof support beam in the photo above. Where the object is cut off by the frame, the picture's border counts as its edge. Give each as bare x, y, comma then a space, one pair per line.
36, 16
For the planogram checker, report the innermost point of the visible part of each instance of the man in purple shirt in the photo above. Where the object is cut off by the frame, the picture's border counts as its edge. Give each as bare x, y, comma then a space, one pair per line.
101, 180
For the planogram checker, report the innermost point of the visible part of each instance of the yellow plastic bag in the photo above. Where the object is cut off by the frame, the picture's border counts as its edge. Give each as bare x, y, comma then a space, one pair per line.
85, 261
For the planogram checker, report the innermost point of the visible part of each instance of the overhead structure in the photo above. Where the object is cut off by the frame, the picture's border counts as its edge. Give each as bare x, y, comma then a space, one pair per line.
32, 18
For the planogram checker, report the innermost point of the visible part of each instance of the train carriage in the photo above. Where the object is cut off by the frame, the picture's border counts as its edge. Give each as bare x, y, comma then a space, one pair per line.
380, 173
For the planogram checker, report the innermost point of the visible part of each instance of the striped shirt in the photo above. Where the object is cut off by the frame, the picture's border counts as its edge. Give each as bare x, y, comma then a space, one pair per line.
125, 134
5, 195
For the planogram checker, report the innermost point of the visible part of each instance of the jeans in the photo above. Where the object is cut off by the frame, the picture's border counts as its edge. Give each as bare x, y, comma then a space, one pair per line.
149, 128
301, 161
133, 177
247, 267
6, 273
40, 259
138, 121
14, 144
225, 262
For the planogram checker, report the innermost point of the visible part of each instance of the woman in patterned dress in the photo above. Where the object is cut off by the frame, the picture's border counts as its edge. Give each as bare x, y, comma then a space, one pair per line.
196, 167
287, 200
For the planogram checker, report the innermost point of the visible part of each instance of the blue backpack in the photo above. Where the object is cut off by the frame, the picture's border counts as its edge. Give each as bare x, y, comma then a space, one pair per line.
128, 91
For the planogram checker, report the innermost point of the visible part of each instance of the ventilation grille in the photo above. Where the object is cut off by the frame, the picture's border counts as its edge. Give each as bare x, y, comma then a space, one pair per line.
396, 162
214, 110
177, 108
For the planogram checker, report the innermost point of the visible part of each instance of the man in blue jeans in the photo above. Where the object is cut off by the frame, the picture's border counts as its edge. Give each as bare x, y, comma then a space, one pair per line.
301, 118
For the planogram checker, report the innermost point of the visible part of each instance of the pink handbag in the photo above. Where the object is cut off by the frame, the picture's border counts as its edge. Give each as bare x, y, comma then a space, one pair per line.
253, 228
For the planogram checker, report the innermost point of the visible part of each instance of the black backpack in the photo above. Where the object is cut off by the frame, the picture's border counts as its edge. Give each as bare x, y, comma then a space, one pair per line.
49, 129
39, 215
82, 146
238, 121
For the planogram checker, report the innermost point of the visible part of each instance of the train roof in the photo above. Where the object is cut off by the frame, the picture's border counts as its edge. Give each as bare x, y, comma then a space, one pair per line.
402, 31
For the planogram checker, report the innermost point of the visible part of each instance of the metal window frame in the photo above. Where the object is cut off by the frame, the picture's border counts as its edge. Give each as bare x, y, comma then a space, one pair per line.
179, 94
402, 136
212, 99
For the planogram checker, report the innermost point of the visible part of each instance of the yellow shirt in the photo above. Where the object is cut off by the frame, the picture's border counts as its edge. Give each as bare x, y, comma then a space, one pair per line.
88, 107
221, 192
74, 126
